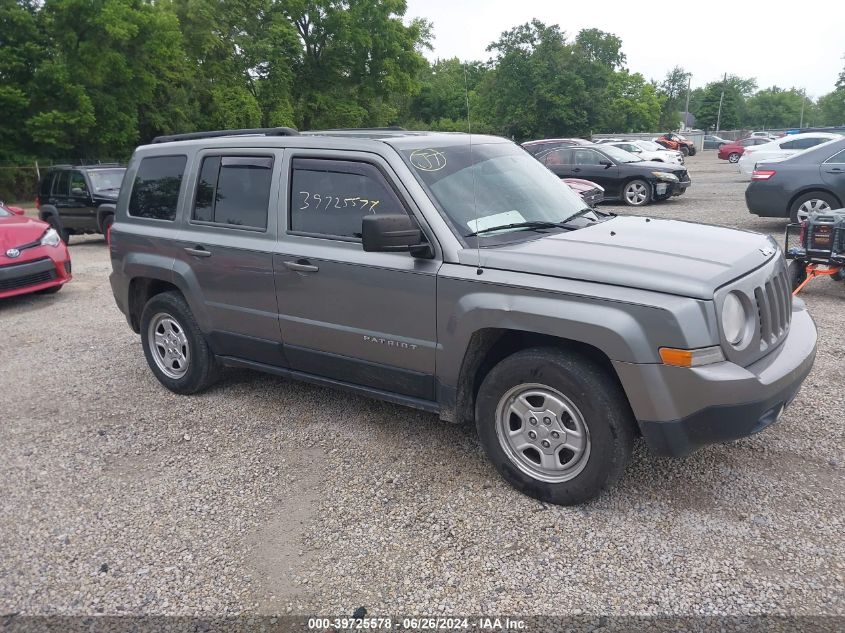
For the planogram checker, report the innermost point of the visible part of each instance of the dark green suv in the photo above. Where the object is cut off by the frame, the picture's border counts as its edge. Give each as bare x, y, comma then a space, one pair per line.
76, 200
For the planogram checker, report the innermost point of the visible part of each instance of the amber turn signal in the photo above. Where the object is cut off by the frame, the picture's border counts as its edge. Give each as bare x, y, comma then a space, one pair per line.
691, 357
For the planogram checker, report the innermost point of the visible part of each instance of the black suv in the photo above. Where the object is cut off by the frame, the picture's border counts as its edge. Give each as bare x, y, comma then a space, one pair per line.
79, 200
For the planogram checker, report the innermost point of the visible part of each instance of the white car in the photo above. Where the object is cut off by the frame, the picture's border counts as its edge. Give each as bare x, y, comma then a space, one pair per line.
782, 148
649, 150
763, 135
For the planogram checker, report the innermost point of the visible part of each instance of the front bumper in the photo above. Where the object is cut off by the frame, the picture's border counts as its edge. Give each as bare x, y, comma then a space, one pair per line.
42, 268
680, 410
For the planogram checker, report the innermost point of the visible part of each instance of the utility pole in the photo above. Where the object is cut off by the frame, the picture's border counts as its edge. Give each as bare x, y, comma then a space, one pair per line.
686, 107
803, 99
721, 98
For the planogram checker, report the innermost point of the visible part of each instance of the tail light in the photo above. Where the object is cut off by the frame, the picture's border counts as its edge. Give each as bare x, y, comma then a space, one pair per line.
762, 174
38, 202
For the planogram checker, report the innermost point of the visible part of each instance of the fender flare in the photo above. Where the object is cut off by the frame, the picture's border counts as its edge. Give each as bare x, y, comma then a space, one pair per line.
102, 211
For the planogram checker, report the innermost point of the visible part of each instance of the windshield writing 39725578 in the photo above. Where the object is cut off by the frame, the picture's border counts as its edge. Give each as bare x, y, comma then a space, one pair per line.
316, 201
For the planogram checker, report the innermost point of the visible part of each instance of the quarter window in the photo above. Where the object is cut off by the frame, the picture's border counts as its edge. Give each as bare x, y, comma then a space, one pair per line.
155, 192
331, 197
234, 190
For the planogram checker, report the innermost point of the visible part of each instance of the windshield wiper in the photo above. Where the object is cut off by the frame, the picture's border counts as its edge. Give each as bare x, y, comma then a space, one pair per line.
535, 224
578, 214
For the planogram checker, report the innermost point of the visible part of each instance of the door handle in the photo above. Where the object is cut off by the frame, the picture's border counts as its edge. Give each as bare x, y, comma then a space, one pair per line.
302, 266
199, 251
576, 169
836, 170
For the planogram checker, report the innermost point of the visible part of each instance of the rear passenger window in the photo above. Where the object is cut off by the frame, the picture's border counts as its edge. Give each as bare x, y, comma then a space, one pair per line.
330, 197
155, 192
234, 190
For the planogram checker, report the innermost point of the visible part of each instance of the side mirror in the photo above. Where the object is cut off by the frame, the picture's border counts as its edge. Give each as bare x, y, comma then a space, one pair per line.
77, 191
607, 164
391, 234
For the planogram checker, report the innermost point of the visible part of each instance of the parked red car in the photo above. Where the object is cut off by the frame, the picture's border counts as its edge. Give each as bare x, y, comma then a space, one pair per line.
732, 151
33, 257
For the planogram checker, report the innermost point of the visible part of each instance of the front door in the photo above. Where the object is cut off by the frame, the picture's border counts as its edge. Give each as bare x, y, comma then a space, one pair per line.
72, 199
356, 317
226, 248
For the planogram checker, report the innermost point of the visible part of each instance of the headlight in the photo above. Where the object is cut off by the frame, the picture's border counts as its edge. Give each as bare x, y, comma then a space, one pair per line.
50, 238
734, 319
664, 175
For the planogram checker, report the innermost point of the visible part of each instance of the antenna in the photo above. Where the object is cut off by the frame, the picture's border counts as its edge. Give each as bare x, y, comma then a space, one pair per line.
478, 270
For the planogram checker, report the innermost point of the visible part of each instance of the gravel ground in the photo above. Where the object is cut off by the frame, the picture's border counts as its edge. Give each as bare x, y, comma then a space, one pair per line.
267, 496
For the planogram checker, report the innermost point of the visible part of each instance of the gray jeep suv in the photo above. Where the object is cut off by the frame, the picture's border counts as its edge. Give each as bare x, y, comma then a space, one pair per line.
457, 275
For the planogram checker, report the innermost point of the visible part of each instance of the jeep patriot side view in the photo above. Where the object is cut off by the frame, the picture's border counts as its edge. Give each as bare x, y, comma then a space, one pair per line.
457, 275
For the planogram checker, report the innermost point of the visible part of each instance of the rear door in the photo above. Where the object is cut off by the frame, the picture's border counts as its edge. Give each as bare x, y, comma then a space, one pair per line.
358, 317
833, 174
225, 247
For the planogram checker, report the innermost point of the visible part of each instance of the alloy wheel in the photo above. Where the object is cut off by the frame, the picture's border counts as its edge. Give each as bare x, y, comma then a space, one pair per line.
636, 193
814, 205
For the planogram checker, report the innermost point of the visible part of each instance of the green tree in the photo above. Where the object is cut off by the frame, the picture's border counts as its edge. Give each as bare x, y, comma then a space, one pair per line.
733, 110
774, 108
673, 89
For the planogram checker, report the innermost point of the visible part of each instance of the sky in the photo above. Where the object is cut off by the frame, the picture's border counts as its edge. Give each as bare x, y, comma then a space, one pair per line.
783, 43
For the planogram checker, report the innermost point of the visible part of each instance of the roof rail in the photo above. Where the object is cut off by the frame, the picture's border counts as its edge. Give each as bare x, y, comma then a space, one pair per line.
389, 128
256, 131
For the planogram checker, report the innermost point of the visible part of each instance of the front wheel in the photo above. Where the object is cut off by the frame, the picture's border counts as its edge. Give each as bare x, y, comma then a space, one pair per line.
636, 193
555, 425
174, 345
685, 150
733, 157
107, 224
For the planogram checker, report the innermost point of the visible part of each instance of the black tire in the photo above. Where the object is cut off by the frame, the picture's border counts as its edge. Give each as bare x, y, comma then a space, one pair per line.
821, 196
646, 191
107, 222
734, 157
54, 221
685, 150
796, 273
598, 398
692, 151
202, 367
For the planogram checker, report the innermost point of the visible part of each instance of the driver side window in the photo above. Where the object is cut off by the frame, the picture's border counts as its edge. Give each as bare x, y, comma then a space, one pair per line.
587, 157
329, 198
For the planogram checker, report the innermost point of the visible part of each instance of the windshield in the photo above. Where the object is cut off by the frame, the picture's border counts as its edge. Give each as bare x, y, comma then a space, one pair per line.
508, 187
106, 179
620, 155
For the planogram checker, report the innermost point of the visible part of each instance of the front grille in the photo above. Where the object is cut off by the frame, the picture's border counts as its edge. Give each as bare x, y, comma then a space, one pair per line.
774, 309
684, 176
27, 280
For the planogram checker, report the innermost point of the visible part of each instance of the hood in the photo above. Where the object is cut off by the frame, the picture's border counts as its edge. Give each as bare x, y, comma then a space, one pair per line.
19, 230
669, 256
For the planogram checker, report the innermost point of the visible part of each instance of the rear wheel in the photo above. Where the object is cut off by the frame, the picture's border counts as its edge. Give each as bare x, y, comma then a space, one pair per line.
813, 202
53, 221
733, 157
174, 345
555, 425
636, 193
